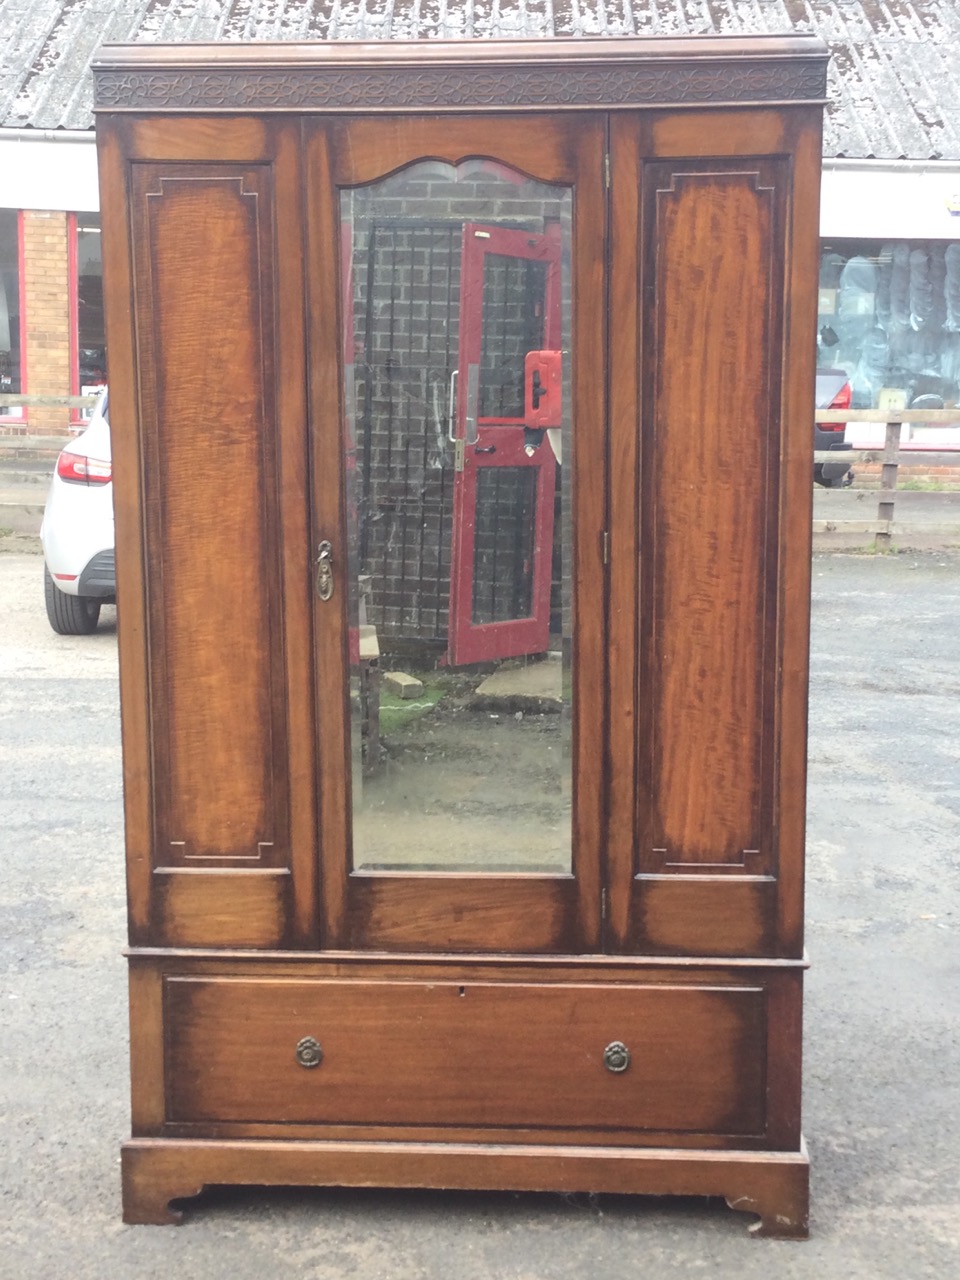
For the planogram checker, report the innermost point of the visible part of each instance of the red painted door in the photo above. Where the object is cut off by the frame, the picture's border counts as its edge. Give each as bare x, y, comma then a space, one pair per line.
505, 478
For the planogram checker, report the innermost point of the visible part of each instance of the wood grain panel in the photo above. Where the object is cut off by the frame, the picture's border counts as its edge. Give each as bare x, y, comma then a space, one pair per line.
227, 907
774, 1185
146, 1049
713, 250
705, 915
780, 983
710, 895
478, 1054
521, 914
796, 524
205, 246
119, 320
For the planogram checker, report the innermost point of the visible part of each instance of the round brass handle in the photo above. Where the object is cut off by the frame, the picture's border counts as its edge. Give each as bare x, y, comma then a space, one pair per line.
309, 1052
616, 1057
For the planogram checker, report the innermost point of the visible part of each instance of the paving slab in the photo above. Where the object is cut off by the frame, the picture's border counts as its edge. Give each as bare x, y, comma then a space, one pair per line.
522, 685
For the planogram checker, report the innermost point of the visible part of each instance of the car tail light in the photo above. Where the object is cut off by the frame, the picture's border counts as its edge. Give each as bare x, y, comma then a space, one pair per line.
78, 469
840, 401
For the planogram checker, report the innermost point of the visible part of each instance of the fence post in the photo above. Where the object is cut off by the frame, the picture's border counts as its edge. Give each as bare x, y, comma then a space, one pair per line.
888, 485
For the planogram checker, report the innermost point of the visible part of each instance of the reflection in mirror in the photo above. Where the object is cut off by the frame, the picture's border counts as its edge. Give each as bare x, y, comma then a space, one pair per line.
456, 317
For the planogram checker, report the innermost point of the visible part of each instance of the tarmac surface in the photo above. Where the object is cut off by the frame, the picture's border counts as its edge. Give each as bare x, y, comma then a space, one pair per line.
882, 1085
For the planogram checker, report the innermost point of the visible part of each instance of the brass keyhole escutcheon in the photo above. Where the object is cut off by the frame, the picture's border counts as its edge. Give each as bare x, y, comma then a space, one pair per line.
616, 1057
309, 1052
325, 570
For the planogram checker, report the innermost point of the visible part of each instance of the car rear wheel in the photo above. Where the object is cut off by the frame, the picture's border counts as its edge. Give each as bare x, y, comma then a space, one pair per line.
69, 615
832, 482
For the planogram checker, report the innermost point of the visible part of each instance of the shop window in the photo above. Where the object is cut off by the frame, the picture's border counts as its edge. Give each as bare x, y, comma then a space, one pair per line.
889, 315
11, 376
90, 356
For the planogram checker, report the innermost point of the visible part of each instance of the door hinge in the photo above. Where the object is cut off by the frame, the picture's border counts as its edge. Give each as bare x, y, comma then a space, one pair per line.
606, 169
605, 546
603, 904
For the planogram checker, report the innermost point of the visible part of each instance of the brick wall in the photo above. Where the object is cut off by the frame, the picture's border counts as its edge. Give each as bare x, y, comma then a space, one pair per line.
406, 236
916, 471
47, 309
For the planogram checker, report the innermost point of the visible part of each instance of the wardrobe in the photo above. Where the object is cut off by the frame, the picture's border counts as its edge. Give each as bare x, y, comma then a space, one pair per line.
462, 407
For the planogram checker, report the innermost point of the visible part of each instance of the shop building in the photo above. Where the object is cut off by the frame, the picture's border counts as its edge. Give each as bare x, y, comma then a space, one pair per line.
890, 215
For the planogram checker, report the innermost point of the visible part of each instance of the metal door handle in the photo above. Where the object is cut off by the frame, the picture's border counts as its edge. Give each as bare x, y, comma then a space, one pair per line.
325, 570
452, 408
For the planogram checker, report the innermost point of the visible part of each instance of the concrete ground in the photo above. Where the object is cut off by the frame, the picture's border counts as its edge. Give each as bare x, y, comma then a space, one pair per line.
882, 1098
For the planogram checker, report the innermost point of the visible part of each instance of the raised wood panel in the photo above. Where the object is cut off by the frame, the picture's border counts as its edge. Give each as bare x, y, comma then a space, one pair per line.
521, 914
466, 1054
710, 469
204, 251
705, 842
229, 907
212, 530
704, 915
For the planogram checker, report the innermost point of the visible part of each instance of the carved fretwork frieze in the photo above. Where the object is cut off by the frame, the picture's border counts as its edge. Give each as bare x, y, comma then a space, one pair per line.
343, 88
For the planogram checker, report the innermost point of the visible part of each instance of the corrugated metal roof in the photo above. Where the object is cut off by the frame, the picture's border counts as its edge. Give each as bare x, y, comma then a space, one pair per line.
893, 85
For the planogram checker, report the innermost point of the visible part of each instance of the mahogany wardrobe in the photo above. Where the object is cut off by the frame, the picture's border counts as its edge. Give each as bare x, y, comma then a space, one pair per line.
462, 404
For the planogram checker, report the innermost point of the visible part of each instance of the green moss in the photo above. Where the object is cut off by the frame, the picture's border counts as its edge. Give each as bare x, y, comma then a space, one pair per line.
397, 713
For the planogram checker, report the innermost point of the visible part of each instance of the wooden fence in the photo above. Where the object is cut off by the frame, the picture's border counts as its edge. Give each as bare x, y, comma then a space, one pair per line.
893, 419
9, 401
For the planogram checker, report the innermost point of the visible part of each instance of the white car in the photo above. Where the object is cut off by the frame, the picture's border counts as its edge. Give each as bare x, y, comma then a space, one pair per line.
77, 531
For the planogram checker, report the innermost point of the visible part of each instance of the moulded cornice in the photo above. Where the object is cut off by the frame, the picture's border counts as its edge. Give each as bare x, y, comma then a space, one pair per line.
458, 75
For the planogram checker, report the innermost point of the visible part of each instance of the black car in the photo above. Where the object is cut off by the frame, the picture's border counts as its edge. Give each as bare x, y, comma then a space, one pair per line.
833, 392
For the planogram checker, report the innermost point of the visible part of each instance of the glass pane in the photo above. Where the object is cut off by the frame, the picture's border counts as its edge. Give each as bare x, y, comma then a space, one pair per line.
458, 508
503, 550
889, 321
91, 348
10, 383
513, 293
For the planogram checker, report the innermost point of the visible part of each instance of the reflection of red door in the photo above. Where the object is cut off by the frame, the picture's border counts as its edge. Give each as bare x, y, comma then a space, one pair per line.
505, 478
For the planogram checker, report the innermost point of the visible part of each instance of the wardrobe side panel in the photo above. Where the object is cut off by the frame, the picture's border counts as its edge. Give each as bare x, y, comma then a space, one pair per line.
205, 249
707, 551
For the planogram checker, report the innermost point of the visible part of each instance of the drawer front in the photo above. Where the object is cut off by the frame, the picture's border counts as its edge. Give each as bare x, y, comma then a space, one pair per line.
478, 1054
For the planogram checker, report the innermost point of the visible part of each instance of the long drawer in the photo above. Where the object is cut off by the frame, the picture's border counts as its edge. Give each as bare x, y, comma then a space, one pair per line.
677, 1058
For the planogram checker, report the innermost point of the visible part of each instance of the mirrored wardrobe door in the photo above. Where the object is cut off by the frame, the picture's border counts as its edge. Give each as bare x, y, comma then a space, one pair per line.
457, 563
455, 518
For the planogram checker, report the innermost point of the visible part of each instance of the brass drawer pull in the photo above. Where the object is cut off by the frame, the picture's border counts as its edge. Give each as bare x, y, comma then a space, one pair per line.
309, 1052
616, 1056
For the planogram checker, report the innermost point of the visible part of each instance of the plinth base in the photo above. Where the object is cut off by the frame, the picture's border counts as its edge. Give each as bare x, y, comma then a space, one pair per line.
774, 1185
